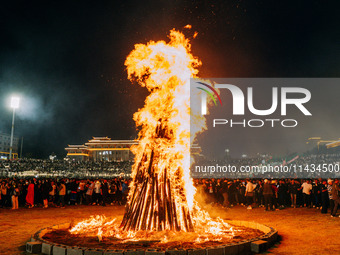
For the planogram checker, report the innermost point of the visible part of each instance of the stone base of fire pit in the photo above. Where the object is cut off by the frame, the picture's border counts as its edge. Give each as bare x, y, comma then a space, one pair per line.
249, 246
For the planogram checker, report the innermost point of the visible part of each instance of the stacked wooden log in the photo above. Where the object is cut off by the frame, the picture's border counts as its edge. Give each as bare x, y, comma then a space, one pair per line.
152, 204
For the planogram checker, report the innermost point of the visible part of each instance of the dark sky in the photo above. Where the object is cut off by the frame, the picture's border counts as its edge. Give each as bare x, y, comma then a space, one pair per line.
66, 58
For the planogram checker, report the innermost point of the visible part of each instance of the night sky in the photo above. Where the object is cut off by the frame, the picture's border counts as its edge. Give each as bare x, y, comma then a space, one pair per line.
66, 58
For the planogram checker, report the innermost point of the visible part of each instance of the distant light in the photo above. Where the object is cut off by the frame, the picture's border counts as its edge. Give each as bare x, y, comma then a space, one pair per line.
15, 102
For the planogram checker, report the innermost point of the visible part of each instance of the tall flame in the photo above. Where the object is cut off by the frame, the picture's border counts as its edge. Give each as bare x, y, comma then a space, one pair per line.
165, 70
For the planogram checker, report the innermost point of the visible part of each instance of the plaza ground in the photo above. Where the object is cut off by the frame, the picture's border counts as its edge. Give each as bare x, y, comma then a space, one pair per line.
302, 230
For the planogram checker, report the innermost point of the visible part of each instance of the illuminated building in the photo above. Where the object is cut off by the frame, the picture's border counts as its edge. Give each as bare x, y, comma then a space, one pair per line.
105, 149
102, 149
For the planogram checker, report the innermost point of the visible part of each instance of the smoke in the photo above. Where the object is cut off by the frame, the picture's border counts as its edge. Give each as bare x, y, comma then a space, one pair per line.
34, 109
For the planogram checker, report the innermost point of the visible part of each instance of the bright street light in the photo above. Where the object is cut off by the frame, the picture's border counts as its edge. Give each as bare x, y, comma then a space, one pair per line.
15, 102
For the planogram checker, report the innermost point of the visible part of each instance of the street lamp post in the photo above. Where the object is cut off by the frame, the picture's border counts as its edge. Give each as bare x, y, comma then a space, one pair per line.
15, 101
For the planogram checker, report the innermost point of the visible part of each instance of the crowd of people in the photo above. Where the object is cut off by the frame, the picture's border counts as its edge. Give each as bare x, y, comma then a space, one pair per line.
30, 183
63, 168
272, 194
43, 192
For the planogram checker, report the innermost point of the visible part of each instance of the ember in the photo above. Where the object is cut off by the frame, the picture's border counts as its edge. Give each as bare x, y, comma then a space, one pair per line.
178, 240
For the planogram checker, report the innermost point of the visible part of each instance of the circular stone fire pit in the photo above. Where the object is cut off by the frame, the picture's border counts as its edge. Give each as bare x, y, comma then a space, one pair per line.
55, 240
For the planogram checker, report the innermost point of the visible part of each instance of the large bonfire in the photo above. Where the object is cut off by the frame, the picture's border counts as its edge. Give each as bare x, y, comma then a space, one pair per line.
161, 200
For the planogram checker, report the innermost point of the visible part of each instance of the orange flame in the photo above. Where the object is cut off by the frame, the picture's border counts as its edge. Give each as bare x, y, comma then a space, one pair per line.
165, 70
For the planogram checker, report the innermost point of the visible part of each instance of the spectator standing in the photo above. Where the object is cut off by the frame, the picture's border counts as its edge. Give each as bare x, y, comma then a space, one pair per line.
52, 193
30, 194
15, 197
73, 188
282, 193
224, 191
218, 192
23, 192
293, 190
105, 192
306, 191
268, 195
249, 193
81, 192
125, 191
275, 196
324, 197
335, 196
62, 193
119, 191
299, 196
45, 190
241, 192
259, 194
211, 191
97, 193
4, 194
232, 196
317, 194
37, 192
112, 192
89, 193
330, 194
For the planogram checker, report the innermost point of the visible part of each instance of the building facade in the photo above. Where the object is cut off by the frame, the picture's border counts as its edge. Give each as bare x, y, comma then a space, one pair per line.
105, 149
102, 149
5, 143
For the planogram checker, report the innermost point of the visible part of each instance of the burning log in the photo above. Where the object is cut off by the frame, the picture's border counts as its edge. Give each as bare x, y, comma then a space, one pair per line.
152, 205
